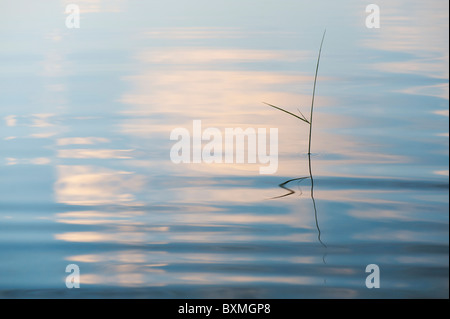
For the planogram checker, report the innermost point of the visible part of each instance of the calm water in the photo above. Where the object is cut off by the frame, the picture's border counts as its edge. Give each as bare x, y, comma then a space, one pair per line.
86, 175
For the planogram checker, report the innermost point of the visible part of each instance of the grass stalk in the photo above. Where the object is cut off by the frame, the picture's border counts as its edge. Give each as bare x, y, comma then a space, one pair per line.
314, 94
303, 118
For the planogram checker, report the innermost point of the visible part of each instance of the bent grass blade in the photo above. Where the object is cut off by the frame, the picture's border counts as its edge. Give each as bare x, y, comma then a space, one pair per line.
283, 110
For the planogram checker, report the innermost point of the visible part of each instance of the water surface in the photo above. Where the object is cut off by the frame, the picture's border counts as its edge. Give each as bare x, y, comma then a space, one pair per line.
86, 175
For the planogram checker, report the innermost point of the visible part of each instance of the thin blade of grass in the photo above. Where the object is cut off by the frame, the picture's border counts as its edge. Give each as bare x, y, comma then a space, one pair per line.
283, 110
314, 91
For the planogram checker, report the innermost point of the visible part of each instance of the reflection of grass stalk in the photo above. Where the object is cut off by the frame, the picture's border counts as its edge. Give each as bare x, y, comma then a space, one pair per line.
303, 118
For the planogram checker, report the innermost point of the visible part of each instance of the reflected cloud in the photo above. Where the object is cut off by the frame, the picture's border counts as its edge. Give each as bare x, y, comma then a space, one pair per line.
422, 28
145, 267
219, 237
10, 161
131, 256
10, 120
81, 221
98, 214
43, 135
434, 68
41, 161
237, 92
213, 278
142, 279
215, 88
422, 33
442, 173
128, 238
35, 126
91, 185
205, 56
81, 141
443, 113
438, 90
191, 33
42, 120
95, 153
28, 161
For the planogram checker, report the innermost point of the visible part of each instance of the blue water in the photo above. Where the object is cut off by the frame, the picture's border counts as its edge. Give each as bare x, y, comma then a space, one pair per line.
86, 175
